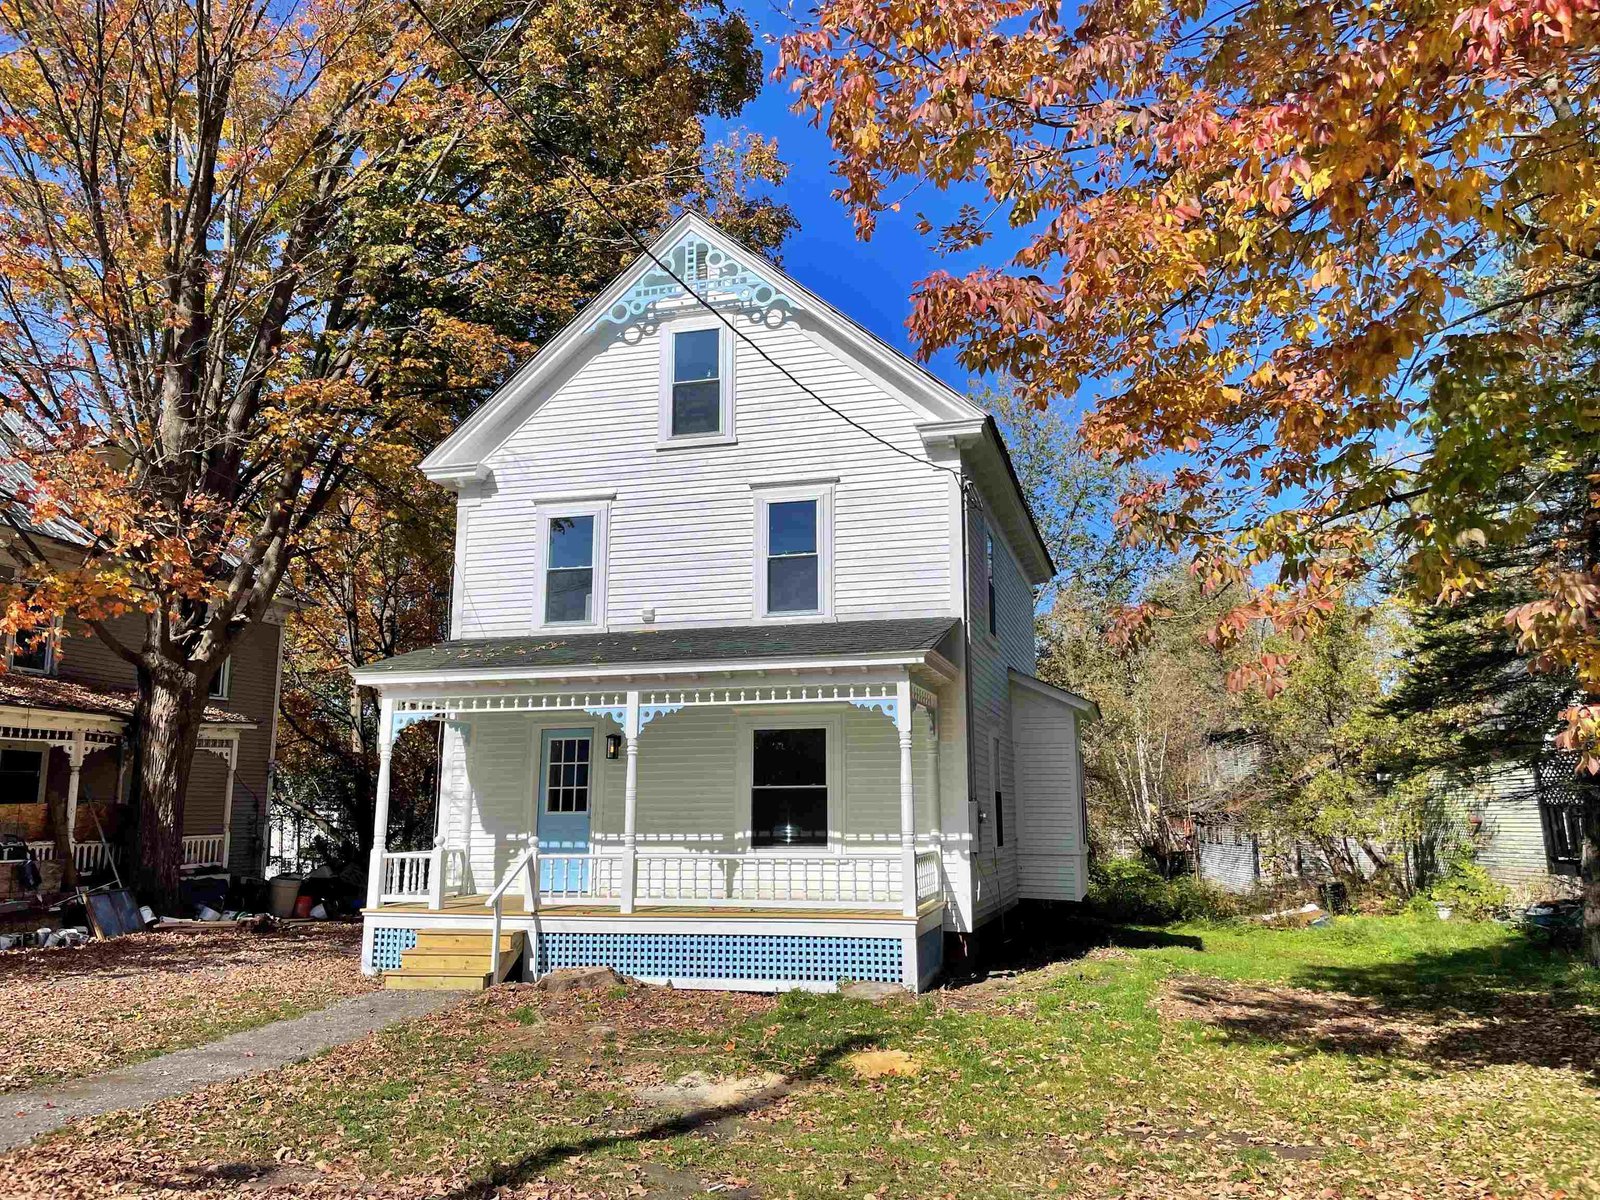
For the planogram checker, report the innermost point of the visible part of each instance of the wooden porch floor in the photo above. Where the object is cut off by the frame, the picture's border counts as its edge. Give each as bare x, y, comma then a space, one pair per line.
464, 906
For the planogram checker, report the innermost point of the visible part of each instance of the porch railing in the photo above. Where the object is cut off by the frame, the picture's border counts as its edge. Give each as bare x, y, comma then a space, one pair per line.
411, 876
689, 878
202, 849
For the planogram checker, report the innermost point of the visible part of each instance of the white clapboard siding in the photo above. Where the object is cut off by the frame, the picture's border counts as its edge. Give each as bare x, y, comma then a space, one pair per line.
1510, 830
682, 524
1051, 858
1010, 647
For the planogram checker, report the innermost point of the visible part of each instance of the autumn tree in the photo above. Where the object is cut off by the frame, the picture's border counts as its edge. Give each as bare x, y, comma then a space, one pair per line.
1264, 231
243, 248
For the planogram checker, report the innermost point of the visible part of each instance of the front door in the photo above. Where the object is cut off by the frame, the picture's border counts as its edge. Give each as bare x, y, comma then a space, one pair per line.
563, 809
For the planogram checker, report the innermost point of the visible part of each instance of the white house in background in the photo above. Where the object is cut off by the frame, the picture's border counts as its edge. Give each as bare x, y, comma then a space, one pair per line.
740, 690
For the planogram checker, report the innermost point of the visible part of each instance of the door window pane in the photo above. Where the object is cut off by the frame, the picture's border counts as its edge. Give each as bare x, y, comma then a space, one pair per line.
792, 561
696, 382
789, 792
569, 581
566, 785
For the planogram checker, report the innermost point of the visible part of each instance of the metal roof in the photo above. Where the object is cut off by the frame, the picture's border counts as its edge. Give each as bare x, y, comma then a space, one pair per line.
724, 643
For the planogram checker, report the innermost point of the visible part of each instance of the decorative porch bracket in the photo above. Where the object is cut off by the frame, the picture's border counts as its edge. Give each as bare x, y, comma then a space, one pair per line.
651, 711
889, 706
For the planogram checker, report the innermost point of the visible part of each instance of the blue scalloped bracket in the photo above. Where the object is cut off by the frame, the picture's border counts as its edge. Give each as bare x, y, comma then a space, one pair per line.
715, 275
403, 721
889, 706
617, 713
649, 712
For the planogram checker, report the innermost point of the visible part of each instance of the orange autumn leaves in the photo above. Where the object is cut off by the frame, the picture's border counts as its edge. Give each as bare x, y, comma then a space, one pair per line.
1261, 231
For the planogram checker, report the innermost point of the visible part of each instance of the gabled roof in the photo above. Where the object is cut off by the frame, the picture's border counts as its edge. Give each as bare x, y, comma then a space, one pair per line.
1032, 683
810, 641
734, 276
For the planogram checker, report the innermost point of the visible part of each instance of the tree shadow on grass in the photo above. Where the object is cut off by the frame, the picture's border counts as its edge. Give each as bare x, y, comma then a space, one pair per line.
1461, 1010
1042, 938
512, 1175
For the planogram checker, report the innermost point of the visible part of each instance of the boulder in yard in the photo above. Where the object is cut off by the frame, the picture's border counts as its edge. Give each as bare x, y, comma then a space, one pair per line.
580, 979
875, 992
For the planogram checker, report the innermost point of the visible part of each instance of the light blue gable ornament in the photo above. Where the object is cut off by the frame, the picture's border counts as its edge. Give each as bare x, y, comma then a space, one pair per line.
715, 275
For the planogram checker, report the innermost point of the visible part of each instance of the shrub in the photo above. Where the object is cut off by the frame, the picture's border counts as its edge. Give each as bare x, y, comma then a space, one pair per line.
1469, 890
1127, 889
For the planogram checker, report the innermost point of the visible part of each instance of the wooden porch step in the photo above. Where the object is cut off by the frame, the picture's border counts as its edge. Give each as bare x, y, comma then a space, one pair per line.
453, 961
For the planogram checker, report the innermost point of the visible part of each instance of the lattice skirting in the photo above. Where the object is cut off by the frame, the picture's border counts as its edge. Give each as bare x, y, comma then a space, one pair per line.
388, 944
731, 957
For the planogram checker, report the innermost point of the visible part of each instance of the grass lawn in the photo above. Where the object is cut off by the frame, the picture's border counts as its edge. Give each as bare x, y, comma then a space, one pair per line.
1379, 1057
75, 1011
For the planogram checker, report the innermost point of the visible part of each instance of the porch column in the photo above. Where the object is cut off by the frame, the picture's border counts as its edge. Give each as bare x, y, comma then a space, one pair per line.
75, 753
908, 805
380, 809
630, 803
227, 804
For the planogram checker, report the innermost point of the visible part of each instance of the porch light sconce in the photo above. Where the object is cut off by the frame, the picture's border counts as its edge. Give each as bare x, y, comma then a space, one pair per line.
613, 745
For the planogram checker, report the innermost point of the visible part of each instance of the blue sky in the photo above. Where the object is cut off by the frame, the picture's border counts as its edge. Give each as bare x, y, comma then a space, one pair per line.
871, 281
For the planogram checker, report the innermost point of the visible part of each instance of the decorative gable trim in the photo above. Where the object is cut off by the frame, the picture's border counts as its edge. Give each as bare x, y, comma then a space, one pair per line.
632, 301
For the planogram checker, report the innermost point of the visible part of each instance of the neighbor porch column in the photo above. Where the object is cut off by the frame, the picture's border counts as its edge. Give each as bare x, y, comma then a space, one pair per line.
908, 803
227, 804
75, 754
380, 808
630, 803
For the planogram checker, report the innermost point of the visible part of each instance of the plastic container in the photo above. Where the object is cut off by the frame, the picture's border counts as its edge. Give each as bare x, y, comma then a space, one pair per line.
282, 892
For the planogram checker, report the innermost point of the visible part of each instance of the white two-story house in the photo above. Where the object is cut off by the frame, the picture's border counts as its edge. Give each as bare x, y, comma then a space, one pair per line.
740, 686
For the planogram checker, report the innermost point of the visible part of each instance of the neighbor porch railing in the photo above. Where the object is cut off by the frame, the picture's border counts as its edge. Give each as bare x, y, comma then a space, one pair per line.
199, 850
691, 878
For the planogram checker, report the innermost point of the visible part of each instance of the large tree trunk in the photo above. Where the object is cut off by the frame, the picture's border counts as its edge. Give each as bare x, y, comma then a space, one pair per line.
61, 834
172, 707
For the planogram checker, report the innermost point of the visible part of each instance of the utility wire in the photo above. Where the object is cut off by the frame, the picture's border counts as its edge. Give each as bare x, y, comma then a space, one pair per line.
560, 159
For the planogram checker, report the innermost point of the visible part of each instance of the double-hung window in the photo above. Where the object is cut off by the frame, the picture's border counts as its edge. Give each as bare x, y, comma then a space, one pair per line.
789, 787
21, 776
30, 651
222, 681
569, 571
794, 551
696, 383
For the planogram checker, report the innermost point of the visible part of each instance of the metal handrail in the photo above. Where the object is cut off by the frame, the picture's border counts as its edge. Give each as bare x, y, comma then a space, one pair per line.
528, 857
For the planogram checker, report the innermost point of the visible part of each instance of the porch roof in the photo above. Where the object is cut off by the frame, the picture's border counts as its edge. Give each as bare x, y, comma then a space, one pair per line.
47, 693
644, 647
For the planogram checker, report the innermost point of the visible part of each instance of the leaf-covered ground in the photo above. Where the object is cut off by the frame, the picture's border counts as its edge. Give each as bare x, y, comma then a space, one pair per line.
75, 1011
1377, 1058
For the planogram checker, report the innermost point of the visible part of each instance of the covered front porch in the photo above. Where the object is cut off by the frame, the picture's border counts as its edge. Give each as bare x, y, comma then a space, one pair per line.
659, 827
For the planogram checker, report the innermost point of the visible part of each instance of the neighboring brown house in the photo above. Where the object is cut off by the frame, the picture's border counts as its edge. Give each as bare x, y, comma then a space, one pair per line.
65, 720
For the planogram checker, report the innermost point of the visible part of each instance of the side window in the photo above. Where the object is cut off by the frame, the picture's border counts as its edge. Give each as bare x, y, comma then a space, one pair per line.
999, 794
21, 775
988, 574
222, 681
30, 652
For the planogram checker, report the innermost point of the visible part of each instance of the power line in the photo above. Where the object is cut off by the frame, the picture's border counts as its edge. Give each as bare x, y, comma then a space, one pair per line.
560, 159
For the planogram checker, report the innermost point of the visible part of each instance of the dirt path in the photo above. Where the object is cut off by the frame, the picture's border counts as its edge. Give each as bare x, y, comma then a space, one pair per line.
27, 1115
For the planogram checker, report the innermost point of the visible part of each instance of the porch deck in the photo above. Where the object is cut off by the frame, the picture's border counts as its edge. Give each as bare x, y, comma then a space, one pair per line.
478, 906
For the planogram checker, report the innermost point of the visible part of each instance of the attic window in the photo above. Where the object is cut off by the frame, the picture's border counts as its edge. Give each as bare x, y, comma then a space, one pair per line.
696, 383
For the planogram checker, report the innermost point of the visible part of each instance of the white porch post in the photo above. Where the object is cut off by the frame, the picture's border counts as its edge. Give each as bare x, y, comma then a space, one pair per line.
908, 806
75, 753
630, 803
227, 804
380, 813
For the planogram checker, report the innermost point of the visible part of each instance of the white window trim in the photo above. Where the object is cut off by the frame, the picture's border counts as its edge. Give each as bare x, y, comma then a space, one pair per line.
778, 494
49, 653
43, 750
222, 680
744, 777
725, 365
600, 510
